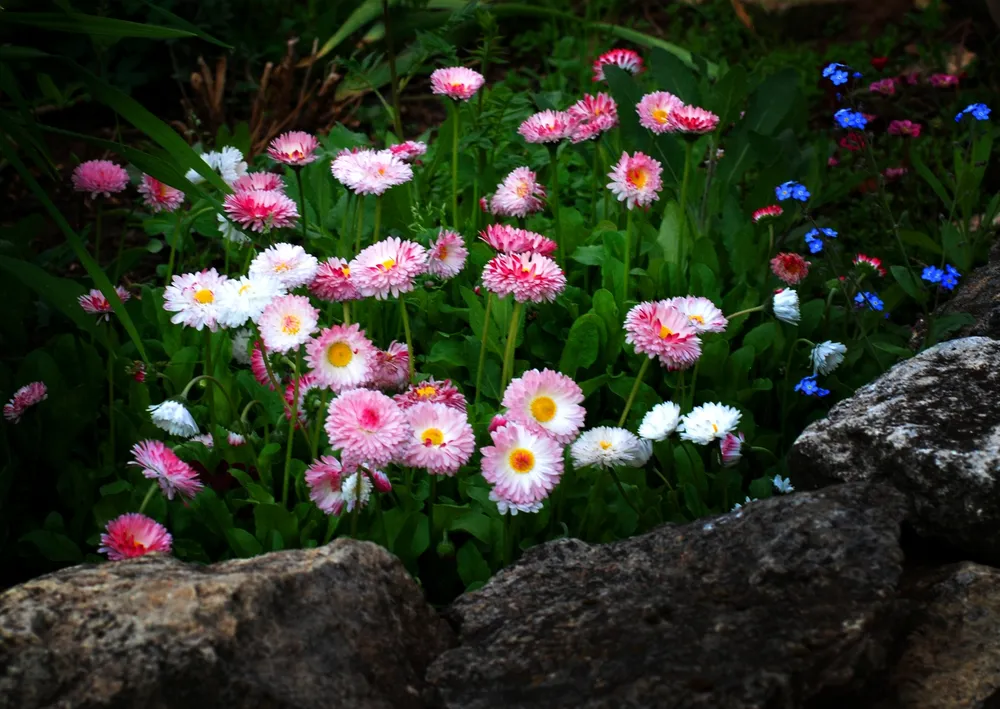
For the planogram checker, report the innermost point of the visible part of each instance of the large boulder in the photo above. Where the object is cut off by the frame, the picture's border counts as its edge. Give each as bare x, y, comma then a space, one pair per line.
978, 294
339, 626
787, 600
930, 426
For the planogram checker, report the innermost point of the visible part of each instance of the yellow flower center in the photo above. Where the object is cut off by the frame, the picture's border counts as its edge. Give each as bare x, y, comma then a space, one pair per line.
522, 460
381, 171
204, 296
715, 428
543, 408
339, 354
638, 177
522, 190
442, 253
291, 324
665, 332
604, 445
244, 288
432, 437
426, 391
346, 270
458, 85
697, 318
660, 115
388, 264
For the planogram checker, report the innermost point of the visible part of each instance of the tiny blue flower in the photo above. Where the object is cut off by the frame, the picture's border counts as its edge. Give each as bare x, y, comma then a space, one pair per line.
809, 387
791, 190
932, 274
846, 118
836, 73
782, 485
815, 245
856, 75
979, 111
948, 282
952, 270
873, 301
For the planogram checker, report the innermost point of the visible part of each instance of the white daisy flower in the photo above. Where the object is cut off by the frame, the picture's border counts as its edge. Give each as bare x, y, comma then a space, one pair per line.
786, 306
193, 297
291, 265
356, 489
782, 485
341, 357
231, 165
606, 447
174, 418
241, 346
287, 322
512, 508
230, 231
708, 422
660, 421
701, 313
643, 452
827, 356
211, 159
246, 297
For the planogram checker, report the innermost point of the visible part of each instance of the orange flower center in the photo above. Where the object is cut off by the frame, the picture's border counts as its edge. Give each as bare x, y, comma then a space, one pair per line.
660, 115
665, 332
280, 267
637, 176
543, 408
443, 253
604, 445
523, 189
291, 324
426, 391
697, 318
388, 264
521, 460
346, 270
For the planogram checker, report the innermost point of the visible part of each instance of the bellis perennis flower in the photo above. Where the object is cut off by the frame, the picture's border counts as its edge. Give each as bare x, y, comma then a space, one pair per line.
770, 212
95, 303
905, 128
827, 356
341, 357
431, 391
161, 464
132, 535
447, 255
786, 305
174, 418
607, 447
288, 263
869, 264
388, 267
193, 298
660, 421
591, 116
513, 240
790, 267
457, 82
546, 402
366, 426
245, 298
24, 398
408, 151
546, 127
287, 322
530, 277
693, 120
261, 210
295, 148
655, 110
441, 439
519, 195
333, 282
636, 180
370, 172
625, 59
259, 182
660, 329
323, 477
159, 196
522, 466
99, 177
731, 449
708, 422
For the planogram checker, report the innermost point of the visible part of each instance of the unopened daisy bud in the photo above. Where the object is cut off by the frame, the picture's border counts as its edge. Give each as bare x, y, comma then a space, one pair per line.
174, 418
770, 212
827, 356
731, 449
786, 305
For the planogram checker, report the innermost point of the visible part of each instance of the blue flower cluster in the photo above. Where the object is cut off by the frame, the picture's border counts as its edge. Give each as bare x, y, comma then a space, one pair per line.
979, 111
815, 242
836, 73
947, 277
846, 118
792, 190
809, 387
869, 298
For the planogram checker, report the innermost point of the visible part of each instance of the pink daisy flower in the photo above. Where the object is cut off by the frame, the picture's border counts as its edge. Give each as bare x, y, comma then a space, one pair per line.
636, 180
625, 58
290, 264
306, 382
692, 119
323, 478
790, 268
24, 398
366, 426
441, 439
457, 82
287, 323
158, 196
701, 313
161, 464
894, 173
392, 366
498, 421
658, 329
132, 535
513, 240
447, 255
294, 148
883, 86
905, 128
99, 177
193, 298
261, 211
872, 264
94, 302
370, 172
942, 81
388, 267
333, 283
591, 116
731, 449
546, 127
770, 212
341, 357
546, 402
655, 110
519, 195
523, 466
259, 182
408, 151
530, 277
431, 391
258, 367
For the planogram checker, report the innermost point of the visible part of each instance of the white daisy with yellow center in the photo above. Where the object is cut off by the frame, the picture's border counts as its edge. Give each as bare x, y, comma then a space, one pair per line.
245, 298
523, 466
708, 422
608, 447
546, 402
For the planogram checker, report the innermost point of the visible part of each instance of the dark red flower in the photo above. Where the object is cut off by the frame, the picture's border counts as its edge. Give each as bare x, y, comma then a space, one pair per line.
878, 63
853, 141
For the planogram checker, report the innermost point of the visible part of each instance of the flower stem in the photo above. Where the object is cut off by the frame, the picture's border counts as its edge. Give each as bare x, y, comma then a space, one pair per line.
508, 547
356, 512
454, 166
209, 371
347, 312
314, 447
173, 248
635, 390
149, 496
111, 409
628, 249
621, 490
378, 218
482, 346
746, 312
554, 202
360, 223
292, 425
508, 355
406, 331
594, 180
302, 203
397, 117
684, 195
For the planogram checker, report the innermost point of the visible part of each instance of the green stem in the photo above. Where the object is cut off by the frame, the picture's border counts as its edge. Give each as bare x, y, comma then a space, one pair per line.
684, 195
595, 492
360, 224
508, 354
302, 203
508, 547
347, 312
454, 166
635, 390
694, 383
628, 248
621, 491
482, 346
378, 218
173, 248
292, 425
356, 512
149, 496
97, 230
746, 312
594, 183
209, 371
314, 447
111, 409
393, 76
554, 201
406, 331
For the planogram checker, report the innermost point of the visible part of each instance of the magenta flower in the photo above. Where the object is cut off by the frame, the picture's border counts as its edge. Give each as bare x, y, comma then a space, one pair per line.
388, 267
636, 180
591, 116
158, 196
99, 177
692, 119
333, 282
94, 302
457, 82
513, 240
546, 402
261, 211
295, 148
530, 277
441, 439
447, 255
23, 399
655, 110
905, 128
519, 195
132, 535
366, 426
546, 127
624, 58
431, 391
259, 182
161, 464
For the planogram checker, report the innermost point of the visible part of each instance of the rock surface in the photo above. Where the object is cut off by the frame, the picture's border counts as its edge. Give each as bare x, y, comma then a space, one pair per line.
952, 655
930, 426
769, 607
339, 626
978, 294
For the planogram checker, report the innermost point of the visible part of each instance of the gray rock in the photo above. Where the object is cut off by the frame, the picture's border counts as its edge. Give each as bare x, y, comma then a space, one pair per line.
769, 607
978, 294
930, 426
341, 625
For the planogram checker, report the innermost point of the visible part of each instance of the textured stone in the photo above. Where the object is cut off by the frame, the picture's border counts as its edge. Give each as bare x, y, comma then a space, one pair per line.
768, 607
978, 294
341, 625
952, 655
930, 426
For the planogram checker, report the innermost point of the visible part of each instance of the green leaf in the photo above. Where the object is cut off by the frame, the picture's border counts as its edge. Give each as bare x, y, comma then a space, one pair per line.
909, 284
54, 546
957, 247
472, 567
270, 518
947, 324
243, 543
920, 240
183, 24
589, 255
729, 94
891, 348
582, 344
762, 336
90, 24
673, 75
115, 488
930, 178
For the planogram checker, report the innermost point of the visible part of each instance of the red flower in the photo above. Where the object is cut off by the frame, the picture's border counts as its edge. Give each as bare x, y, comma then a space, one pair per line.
773, 210
853, 141
878, 63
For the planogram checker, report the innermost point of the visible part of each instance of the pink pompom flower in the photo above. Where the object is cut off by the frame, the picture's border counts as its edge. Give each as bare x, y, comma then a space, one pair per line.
333, 283
790, 268
370, 172
498, 421
693, 120
457, 82
161, 464
770, 212
288, 322
259, 182
434, 392
636, 180
261, 211
624, 58
591, 116
519, 195
513, 240
655, 110
193, 298
294, 148
657, 329
546, 402
530, 277
95, 303
392, 366
408, 151
24, 398
259, 367
523, 466
289, 264
701, 313
366, 426
546, 127
99, 177
388, 267
942, 81
441, 439
886, 87
341, 357
132, 535
447, 255
324, 478
908, 128
159, 196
